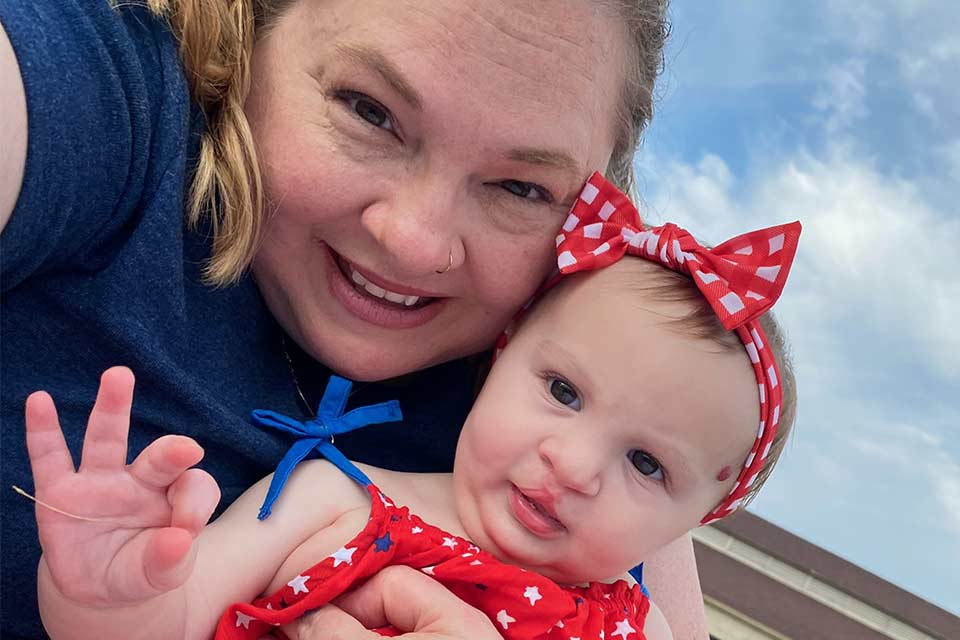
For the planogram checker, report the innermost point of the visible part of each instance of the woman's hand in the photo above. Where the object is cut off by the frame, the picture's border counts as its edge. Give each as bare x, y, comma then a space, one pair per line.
413, 603
134, 538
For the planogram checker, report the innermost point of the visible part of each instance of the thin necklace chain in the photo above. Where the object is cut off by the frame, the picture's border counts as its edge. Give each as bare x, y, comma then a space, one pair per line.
293, 374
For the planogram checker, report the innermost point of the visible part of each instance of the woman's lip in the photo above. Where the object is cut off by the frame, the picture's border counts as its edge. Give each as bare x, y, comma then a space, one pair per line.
383, 283
531, 519
375, 311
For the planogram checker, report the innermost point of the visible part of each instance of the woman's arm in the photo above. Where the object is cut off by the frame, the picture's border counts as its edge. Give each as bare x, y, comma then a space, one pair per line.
13, 129
671, 576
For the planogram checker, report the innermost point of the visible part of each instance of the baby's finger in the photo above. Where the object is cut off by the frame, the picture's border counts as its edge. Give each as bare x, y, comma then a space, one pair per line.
50, 458
168, 558
105, 444
165, 459
193, 498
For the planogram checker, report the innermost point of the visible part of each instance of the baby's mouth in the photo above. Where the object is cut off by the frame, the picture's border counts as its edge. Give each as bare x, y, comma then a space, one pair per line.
543, 510
363, 285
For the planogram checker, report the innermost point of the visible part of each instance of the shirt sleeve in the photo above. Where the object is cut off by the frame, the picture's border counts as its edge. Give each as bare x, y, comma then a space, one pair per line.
105, 93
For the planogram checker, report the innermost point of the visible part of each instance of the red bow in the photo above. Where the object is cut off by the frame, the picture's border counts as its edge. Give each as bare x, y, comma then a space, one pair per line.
741, 278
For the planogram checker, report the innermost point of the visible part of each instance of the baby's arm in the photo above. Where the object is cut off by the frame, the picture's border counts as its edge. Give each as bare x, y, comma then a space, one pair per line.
138, 563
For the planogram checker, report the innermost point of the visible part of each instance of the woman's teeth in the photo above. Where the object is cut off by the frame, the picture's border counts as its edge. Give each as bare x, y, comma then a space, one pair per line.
380, 292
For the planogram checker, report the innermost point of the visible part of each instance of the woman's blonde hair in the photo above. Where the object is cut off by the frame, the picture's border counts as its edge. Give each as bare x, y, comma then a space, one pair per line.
216, 45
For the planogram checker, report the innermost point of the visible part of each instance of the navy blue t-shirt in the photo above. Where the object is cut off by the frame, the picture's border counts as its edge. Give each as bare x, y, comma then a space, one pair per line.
99, 270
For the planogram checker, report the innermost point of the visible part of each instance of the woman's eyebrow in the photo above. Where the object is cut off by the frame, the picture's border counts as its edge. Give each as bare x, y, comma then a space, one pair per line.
366, 56
546, 157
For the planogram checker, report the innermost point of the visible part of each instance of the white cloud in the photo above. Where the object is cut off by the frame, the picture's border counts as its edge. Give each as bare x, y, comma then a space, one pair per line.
873, 250
841, 96
919, 36
908, 451
949, 153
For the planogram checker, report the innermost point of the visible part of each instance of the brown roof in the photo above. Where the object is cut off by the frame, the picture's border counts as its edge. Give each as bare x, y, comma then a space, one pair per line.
841, 574
771, 603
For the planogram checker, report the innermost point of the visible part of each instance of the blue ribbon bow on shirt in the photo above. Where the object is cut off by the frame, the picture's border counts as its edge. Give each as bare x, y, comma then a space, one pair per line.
317, 434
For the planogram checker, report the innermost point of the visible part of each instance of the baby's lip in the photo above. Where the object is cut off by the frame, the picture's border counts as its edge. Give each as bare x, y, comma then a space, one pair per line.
545, 499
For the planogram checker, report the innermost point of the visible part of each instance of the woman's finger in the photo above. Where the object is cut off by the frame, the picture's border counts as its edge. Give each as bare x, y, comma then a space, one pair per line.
332, 623
50, 458
105, 443
413, 602
165, 459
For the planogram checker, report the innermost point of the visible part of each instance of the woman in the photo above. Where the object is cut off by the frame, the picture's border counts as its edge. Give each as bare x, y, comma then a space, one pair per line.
387, 179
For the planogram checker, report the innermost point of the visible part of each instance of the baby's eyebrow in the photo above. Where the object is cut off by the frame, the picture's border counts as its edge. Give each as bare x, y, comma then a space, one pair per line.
551, 349
374, 60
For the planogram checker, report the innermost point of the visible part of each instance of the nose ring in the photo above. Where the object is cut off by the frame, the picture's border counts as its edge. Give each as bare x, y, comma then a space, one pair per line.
449, 263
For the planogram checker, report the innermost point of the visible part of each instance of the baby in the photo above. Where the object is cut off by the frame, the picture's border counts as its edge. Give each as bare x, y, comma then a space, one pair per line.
636, 399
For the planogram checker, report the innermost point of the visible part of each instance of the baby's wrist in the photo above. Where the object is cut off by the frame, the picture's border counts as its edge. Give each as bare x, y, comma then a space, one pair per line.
64, 617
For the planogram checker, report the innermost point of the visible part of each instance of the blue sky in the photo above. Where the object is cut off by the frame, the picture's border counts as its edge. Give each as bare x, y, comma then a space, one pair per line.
846, 116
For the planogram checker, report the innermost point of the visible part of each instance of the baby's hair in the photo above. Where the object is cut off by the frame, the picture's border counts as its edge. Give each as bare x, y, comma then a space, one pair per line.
701, 322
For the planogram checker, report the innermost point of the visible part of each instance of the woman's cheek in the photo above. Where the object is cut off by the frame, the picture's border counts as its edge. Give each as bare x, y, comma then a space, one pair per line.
513, 270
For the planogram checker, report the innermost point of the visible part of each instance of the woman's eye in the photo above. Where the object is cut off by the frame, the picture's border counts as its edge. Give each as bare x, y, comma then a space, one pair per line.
646, 464
368, 109
526, 190
564, 393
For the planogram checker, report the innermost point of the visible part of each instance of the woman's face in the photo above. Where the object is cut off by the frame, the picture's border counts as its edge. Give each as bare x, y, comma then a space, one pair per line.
399, 139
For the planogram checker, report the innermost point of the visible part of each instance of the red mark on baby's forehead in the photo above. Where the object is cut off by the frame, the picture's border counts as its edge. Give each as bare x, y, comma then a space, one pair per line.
724, 474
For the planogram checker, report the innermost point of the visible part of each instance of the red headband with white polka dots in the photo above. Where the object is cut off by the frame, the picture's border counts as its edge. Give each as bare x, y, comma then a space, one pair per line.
741, 279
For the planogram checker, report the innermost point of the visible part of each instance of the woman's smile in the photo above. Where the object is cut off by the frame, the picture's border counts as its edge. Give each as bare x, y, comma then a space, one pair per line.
373, 299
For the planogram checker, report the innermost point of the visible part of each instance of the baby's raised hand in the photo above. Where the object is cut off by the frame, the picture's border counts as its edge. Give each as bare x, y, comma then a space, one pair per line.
133, 533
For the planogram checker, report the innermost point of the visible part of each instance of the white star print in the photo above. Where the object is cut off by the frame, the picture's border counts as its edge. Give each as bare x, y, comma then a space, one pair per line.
623, 629
475, 563
299, 584
416, 530
342, 555
428, 570
449, 542
504, 618
533, 594
601, 634
243, 619
384, 500
473, 548
559, 624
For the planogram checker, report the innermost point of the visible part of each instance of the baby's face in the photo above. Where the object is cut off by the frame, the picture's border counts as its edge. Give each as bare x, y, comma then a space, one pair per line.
602, 433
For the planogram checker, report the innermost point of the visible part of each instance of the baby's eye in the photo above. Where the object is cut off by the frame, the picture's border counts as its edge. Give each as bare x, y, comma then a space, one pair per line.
368, 109
564, 393
646, 464
526, 190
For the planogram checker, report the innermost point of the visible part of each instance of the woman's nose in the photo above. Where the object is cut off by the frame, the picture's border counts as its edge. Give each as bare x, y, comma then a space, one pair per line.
418, 225
575, 465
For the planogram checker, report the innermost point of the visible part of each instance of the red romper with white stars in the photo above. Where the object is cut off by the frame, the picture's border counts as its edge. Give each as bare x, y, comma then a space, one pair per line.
521, 604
